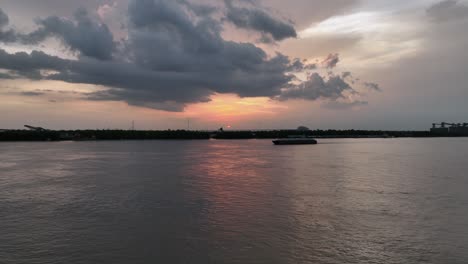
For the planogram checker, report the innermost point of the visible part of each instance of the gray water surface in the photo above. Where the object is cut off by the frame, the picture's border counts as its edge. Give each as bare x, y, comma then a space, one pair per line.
246, 201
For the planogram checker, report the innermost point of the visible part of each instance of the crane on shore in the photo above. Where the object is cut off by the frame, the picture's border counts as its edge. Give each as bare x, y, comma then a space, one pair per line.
445, 124
33, 128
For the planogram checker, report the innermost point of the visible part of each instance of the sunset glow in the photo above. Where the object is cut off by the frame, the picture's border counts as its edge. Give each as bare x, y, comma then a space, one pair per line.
231, 109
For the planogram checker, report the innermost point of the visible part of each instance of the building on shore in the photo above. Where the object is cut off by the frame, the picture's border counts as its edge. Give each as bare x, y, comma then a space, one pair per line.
450, 129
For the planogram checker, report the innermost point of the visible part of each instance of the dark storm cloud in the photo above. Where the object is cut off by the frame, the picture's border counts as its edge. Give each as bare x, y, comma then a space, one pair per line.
174, 55
259, 20
83, 35
447, 11
140, 98
4, 20
168, 90
25, 64
136, 85
6, 35
317, 87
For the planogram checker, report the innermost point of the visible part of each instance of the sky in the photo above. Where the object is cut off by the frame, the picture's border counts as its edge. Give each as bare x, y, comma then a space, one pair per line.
244, 64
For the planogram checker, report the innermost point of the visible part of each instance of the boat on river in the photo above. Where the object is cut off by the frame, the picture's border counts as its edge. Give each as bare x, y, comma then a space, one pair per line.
295, 141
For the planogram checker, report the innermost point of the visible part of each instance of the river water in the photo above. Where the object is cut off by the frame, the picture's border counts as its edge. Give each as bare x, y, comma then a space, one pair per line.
239, 201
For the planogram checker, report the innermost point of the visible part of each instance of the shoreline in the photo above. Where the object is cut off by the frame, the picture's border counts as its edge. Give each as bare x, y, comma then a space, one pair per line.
107, 135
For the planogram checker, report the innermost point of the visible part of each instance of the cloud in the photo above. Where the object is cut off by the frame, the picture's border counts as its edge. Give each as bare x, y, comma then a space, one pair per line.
346, 74
31, 93
82, 35
372, 86
298, 65
271, 28
4, 20
317, 87
448, 10
5, 76
174, 55
8, 35
28, 65
331, 61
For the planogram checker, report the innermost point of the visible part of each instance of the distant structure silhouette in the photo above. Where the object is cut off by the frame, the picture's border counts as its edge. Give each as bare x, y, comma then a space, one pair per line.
33, 128
446, 128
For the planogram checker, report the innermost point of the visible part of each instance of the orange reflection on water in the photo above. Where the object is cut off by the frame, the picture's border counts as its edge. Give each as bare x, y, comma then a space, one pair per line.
236, 185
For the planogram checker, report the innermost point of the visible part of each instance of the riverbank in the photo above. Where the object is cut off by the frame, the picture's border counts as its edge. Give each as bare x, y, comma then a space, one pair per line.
82, 135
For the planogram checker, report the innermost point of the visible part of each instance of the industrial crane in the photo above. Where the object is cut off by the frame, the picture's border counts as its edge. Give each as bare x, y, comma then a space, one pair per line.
35, 128
444, 124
